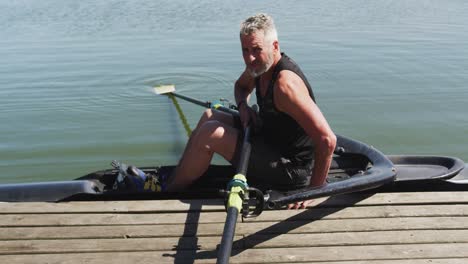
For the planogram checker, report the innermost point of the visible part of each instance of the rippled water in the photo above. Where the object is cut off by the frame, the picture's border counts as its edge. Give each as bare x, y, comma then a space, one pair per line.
76, 77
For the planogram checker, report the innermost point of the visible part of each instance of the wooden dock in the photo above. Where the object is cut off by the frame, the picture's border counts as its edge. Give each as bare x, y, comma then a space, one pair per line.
387, 228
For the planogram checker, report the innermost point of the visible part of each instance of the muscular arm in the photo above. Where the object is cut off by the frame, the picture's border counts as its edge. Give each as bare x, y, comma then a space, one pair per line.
243, 87
242, 90
292, 97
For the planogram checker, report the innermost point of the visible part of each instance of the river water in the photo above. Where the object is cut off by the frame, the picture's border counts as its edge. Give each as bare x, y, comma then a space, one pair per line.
76, 76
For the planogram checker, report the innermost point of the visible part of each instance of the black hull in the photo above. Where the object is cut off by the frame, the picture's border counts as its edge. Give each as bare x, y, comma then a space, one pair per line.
356, 167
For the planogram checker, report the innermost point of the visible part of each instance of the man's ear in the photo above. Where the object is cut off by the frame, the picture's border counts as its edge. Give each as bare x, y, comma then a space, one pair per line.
275, 45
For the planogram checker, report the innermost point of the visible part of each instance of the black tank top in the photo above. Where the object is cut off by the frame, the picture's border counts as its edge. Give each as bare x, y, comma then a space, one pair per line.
278, 128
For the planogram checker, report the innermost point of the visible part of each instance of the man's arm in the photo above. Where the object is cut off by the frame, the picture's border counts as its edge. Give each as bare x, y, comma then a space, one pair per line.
242, 90
292, 97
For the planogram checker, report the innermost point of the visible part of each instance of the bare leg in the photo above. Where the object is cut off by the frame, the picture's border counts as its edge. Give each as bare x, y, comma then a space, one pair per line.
213, 134
208, 115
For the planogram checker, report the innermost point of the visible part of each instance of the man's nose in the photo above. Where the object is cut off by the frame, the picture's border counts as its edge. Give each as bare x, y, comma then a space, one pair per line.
250, 58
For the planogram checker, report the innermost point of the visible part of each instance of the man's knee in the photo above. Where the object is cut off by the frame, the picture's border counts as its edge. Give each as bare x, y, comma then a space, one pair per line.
207, 114
211, 129
216, 137
210, 133
205, 117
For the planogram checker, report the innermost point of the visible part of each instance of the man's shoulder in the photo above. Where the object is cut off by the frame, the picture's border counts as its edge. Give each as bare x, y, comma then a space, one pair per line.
285, 59
288, 77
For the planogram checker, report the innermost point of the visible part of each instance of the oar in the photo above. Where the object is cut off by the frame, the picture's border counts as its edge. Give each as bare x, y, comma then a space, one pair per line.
170, 90
237, 188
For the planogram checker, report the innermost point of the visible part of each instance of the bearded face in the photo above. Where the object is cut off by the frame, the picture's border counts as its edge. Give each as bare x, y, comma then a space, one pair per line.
257, 52
263, 66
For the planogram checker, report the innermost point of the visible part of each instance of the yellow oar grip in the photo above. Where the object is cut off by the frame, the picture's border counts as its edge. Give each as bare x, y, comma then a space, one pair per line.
240, 177
238, 186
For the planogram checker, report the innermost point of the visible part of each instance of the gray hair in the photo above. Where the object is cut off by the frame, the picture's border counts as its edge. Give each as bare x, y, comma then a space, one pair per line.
260, 22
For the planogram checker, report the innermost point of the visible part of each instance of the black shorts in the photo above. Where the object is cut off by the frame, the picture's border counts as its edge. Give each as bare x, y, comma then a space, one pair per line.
269, 169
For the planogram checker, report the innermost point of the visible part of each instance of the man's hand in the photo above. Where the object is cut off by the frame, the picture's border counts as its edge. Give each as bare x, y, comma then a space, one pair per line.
247, 114
300, 205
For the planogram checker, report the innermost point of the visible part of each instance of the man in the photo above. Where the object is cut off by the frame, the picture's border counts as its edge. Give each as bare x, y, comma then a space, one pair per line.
294, 142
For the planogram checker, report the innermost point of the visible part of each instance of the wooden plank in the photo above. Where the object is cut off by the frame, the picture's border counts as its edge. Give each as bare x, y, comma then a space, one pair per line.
213, 229
154, 206
253, 241
217, 204
270, 255
347, 253
360, 212
354, 225
109, 219
355, 238
107, 245
396, 261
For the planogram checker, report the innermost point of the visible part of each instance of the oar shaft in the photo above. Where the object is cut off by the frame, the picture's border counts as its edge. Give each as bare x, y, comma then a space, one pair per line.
234, 203
192, 100
224, 251
245, 154
206, 104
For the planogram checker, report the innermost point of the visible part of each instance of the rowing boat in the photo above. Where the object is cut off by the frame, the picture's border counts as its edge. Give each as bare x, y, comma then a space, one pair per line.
356, 167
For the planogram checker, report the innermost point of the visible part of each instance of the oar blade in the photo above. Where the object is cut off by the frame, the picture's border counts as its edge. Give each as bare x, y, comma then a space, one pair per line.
164, 89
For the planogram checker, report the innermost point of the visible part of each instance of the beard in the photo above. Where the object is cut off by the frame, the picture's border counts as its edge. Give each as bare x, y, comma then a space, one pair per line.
264, 67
